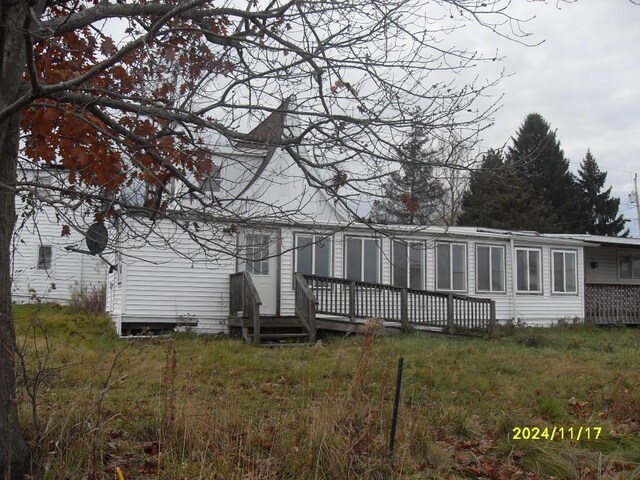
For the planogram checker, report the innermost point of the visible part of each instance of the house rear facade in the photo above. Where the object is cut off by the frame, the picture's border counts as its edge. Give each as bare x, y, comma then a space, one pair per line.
534, 279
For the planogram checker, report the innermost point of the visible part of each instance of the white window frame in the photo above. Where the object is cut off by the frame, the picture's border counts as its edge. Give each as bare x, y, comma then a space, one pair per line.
212, 184
315, 239
465, 263
346, 255
632, 257
504, 268
38, 268
409, 245
540, 270
249, 261
564, 262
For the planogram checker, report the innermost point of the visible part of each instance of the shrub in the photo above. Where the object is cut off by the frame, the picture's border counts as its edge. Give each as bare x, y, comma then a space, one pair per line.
90, 300
532, 338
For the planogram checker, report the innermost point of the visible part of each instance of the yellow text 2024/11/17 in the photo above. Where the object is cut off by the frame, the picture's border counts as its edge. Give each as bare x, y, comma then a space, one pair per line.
556, 433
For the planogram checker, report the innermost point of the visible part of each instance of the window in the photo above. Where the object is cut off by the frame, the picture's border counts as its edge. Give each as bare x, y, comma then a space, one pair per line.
490, 268
211, 183
407, 264
363, 260
257, 253
565, 273
451, 266
528, 270
629, 267
313, 255
45, 255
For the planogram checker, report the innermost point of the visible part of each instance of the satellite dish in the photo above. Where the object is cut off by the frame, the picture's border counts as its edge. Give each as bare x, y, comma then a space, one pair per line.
97, 238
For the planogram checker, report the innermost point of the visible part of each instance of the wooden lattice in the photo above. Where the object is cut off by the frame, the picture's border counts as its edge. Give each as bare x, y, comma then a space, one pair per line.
605, 303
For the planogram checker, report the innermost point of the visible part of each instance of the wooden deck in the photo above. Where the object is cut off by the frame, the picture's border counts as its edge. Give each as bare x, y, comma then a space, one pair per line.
340, 305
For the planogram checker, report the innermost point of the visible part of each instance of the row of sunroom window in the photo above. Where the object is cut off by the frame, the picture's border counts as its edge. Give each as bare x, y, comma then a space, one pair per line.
363, 260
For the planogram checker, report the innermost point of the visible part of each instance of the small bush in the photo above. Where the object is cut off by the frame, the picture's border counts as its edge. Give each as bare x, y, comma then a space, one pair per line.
90, 300
533, 338
575, 343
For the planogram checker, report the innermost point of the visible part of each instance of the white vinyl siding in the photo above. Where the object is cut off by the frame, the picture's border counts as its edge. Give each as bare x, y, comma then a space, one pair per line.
407, 264
490, 268
451, 266
529, 270
362, 259
564, 271
313, 255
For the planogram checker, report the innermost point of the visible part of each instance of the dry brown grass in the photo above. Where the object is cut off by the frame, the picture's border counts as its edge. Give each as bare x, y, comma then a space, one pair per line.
197, 408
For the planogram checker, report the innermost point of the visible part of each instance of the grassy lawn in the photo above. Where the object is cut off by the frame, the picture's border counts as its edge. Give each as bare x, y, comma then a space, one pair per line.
208, 407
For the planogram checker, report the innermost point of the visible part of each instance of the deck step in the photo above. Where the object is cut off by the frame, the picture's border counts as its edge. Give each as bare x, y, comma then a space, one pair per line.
286, 344
266, 322
281, 335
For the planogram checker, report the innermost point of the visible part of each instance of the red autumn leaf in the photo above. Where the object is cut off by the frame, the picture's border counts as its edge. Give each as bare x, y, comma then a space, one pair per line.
66, 231
108, 47
410, 203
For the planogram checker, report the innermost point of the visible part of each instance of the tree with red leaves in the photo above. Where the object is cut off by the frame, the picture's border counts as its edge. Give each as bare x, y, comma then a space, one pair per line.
128, 99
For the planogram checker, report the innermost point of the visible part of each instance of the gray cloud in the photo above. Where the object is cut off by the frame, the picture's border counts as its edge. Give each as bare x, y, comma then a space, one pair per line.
584, 79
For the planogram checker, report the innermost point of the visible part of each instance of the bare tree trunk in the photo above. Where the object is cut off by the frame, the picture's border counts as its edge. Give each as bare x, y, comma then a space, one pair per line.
14, 452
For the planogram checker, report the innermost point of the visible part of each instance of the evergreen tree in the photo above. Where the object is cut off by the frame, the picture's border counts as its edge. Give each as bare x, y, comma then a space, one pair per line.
498, 198
412, 193
600, 209
539, 161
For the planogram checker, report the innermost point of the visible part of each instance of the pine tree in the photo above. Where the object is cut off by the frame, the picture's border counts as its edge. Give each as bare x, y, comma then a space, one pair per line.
539, 161
412, 193
600, 209
498, 198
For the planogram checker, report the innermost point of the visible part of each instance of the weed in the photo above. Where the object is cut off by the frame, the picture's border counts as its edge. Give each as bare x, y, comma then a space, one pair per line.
532, 338
575, 343
551, 408
89, 300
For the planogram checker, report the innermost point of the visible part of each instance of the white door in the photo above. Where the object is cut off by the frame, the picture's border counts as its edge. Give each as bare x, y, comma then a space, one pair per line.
260, 249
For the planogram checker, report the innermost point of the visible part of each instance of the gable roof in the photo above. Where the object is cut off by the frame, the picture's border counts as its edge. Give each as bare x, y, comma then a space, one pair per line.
268, 134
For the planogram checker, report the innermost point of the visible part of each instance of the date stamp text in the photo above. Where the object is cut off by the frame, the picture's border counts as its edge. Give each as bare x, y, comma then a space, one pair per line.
577, 434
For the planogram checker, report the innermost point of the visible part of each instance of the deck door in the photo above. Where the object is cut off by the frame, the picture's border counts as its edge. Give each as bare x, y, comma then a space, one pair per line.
260, 250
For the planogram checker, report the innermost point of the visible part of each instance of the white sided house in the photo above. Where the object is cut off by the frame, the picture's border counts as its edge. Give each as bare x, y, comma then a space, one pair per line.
316, 269
42, 267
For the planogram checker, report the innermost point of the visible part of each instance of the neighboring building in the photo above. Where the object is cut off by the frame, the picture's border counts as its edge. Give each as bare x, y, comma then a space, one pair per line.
43, 268
532, 279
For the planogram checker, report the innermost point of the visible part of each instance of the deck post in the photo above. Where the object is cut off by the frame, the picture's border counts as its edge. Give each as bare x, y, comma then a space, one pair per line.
256, 328
352, 302
404, 308
450, 312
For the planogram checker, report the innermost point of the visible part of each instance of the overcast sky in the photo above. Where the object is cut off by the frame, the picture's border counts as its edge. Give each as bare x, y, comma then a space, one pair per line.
584, 79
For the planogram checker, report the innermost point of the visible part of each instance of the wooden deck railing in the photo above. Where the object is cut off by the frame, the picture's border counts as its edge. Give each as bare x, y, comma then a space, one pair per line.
305, 306
612, 304
244, 296
352, 299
